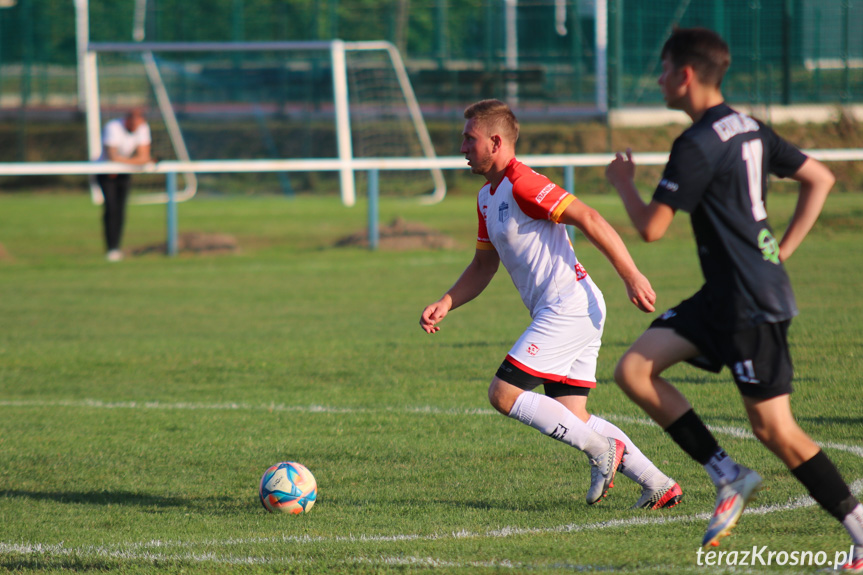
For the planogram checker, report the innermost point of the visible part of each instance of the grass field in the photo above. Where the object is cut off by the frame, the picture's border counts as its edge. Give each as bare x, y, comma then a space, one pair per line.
140, 402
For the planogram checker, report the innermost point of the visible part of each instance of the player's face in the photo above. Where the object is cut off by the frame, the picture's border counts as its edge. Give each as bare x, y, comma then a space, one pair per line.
477, 147
132, 122
671, 84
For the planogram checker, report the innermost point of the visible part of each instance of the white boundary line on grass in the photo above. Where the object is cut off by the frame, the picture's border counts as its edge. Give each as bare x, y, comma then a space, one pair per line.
99, 404
155, 550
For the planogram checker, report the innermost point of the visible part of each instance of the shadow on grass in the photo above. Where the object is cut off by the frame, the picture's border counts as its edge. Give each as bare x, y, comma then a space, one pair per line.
120, 498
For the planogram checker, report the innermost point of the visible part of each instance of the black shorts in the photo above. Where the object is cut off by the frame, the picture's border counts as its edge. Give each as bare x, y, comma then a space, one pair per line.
516, 376
758, 357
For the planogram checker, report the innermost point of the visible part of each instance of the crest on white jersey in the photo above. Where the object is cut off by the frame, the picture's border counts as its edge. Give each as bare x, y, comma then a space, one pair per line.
503, 212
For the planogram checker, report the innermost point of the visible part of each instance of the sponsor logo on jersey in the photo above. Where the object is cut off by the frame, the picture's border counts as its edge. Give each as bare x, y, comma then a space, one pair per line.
734, 124
532, 349
544, 192
484, 211
668, 314
580, 272
768, 246
503, 212
744, 372
668, 185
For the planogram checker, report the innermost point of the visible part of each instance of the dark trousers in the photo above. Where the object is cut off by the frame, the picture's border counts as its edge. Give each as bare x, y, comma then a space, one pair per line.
115, 188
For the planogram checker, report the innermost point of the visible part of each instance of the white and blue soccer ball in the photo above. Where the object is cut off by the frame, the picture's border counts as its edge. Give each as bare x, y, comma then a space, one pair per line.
288, 487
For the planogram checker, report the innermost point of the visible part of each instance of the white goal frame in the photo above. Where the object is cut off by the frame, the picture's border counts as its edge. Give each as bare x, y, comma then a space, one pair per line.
337, 49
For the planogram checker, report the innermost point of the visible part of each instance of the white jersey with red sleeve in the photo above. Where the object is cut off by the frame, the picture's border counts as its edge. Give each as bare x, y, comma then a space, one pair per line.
519, 220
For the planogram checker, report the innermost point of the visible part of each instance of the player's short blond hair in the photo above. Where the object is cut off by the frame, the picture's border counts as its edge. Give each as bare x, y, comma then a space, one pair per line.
494, 116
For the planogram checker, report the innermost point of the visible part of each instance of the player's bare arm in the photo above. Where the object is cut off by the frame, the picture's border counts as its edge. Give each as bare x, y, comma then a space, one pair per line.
816, 181
650, 220
473, 280
600, 233
140, 157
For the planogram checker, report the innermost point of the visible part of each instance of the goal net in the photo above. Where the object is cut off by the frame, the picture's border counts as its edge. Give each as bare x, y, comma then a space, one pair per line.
275, 100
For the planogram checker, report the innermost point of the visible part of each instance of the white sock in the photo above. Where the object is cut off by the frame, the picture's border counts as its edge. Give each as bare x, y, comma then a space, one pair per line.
636, 466
721, 468
853, 523
553, 419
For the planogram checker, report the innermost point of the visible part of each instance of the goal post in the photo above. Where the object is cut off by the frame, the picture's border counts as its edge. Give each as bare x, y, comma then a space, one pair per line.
413, 109
342, 103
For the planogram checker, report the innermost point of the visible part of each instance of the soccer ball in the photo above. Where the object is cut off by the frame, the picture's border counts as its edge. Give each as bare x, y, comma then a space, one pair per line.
288, 487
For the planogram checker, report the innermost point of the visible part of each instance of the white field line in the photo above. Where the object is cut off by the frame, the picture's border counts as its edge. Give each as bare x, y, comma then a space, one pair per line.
159, 405
737, 432
378, 560
160, 550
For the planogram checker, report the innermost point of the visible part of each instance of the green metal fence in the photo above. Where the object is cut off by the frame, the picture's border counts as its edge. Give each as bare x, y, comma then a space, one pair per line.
783, 51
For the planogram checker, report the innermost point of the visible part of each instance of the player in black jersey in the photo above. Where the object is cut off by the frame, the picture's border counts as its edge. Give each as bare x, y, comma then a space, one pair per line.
718, 172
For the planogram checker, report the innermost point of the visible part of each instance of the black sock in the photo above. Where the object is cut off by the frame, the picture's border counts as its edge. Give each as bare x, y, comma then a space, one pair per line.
690, 433
824, 483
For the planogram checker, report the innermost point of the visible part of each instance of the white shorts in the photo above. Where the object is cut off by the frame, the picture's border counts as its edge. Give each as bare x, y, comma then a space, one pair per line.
562, 348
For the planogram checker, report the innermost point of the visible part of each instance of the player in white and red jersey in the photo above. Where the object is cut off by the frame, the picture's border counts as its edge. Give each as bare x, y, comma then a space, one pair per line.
522, 217
514, 220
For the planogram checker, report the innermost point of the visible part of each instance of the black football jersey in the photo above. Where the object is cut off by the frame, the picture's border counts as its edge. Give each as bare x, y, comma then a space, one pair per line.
718, 172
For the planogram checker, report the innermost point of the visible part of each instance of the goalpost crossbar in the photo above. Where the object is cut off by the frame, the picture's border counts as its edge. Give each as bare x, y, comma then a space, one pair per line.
337, 50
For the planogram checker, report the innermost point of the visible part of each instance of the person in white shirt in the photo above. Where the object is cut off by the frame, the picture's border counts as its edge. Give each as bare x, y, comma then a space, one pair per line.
522, 219
126, 140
